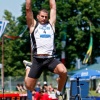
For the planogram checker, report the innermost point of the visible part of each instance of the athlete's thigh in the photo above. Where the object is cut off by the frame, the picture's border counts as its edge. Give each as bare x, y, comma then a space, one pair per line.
36, 69
31, 82
56, 66
60, 68
53, 63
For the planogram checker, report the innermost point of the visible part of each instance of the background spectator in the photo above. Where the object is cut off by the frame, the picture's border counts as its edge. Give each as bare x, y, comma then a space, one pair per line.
23, 88
18, 88
98, 88
38, 87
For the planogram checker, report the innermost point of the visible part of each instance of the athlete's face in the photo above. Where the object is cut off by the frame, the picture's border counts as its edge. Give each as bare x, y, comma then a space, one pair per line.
42, 17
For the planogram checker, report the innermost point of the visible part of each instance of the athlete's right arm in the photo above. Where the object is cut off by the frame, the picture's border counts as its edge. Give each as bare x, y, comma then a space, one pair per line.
29, 16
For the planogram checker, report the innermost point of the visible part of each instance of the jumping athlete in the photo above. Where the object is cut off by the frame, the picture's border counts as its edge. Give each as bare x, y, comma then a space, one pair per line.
42, 43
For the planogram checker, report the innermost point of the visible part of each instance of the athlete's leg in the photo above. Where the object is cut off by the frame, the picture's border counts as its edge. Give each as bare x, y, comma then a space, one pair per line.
29, 82
62, 72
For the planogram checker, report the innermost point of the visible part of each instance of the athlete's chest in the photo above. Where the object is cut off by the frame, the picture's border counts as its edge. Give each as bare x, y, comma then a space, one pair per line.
43, 31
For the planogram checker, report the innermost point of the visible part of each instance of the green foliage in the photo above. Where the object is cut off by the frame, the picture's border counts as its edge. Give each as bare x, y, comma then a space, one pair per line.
73, 25
93, 93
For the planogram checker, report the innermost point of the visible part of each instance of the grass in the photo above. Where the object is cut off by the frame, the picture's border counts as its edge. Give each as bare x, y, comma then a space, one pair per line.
93, 93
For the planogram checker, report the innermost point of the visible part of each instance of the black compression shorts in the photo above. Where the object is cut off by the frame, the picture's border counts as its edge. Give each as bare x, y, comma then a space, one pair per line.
40, 64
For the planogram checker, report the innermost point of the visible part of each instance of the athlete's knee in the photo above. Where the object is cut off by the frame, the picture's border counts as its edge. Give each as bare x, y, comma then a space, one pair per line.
28, 85
62, 70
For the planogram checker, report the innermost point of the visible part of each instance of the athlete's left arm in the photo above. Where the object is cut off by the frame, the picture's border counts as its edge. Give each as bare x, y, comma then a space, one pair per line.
52, 12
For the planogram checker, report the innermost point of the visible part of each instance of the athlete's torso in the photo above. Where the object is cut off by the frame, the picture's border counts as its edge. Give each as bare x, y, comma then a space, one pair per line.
42, 39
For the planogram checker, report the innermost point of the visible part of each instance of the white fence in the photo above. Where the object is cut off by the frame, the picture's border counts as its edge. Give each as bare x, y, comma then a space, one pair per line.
10, 83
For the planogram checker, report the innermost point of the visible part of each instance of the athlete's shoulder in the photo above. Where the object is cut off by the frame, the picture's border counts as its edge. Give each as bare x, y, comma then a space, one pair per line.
52, 25
33, 26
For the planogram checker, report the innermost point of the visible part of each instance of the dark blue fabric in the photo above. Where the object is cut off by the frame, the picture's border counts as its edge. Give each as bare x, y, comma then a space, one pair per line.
29, 95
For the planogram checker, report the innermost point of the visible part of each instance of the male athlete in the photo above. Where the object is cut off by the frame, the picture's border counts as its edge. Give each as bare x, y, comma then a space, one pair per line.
42, 42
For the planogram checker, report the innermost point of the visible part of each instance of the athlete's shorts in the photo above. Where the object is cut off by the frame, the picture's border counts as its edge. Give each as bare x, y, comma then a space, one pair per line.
40, 64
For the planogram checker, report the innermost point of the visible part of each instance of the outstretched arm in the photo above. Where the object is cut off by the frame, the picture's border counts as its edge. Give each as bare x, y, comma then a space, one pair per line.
52, 11
29, 14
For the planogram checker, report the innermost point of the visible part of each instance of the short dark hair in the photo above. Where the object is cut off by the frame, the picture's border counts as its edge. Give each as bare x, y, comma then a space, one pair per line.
44, 10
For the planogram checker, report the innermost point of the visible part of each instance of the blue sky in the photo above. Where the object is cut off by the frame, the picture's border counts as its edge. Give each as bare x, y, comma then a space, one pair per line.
13, 6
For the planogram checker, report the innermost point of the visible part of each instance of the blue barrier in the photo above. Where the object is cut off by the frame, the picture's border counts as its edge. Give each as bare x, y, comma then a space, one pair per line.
95, 98
83, 88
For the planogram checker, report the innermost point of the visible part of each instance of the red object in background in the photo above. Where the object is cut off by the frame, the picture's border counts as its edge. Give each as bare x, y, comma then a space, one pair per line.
37, 96
11, 37
43, 96
63, 60
10, 95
